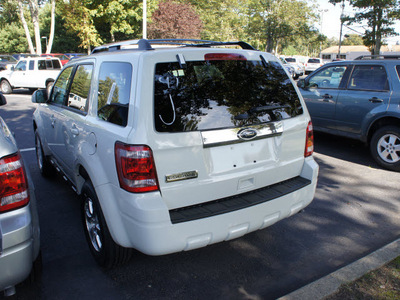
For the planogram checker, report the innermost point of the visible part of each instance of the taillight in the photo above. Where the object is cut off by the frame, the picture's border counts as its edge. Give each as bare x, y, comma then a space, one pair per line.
224, 56
136, 168
309, 140
13, 183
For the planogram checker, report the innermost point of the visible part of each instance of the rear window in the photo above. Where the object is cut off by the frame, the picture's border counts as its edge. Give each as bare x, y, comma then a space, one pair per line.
290, 59
218, 94
314, 61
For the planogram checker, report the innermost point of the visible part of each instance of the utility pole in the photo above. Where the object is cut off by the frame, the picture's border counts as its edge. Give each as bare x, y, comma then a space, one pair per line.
341, 29
144, 19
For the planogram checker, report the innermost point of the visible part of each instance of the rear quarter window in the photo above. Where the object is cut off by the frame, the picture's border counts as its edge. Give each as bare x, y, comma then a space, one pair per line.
114, 92
220, 94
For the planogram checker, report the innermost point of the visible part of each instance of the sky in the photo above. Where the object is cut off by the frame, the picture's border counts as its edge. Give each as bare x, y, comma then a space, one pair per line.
330, 16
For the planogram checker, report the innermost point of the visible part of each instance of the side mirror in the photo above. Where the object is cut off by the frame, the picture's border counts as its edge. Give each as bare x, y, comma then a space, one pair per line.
3, 100
39, 96
301, 83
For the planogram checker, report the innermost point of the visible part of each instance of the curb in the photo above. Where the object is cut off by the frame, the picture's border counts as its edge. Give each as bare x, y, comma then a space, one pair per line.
329, 284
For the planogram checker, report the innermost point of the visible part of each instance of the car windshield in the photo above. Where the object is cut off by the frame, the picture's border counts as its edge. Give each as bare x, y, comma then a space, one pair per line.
218, 94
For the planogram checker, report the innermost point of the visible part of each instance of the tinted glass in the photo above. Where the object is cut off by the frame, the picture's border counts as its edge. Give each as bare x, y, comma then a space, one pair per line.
314, 61
114, 92
290, 59
60, 87
369, 77
398, 71
327, 78
221, 94
79, 93
32, 65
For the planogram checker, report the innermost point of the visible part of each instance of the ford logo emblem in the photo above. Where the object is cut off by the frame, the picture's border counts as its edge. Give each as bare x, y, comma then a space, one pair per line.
247, 134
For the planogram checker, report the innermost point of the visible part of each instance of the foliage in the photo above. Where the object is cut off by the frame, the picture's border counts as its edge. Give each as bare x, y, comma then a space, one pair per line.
379, 16
352, 40
175, 20
13, 39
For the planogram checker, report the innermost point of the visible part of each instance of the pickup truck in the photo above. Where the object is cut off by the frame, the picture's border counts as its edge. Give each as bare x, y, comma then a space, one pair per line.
32, 73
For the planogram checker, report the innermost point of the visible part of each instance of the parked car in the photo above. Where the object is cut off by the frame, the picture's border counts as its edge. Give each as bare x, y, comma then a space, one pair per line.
359, 99
288, 67
19, 223
6, 62
62, 57
312, 64
18, 56
31, 73
176, 148
74, 55
299, 69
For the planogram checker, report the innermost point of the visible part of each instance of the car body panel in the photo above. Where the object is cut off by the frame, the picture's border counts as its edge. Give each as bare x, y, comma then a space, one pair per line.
19, 228
142, 220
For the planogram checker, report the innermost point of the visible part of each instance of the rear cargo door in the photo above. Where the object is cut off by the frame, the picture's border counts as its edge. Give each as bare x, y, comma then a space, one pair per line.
226, 123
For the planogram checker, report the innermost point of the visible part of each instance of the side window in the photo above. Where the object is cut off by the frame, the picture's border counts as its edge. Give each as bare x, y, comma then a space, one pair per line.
21, 66
79, 93
114, 92
329, 78
60, 87
31, 65
41, 65
56, 64
369, 77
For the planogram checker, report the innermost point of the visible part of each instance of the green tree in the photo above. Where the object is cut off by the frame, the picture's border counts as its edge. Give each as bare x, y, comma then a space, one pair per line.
379, 15
275, 21
352, 40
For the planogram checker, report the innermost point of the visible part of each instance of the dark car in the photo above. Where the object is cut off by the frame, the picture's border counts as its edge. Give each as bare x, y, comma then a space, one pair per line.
6, 62
358, 99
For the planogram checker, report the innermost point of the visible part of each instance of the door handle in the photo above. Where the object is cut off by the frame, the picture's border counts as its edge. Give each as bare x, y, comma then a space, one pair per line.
375, 100
326, 97
74, 130
53, 121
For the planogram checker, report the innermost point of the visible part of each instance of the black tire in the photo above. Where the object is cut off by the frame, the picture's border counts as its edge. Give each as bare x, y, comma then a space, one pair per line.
5, 87
45, 166
103, 248
385, 147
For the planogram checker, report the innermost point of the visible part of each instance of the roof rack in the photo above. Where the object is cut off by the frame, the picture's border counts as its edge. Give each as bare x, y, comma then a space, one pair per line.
144, 44
378, 57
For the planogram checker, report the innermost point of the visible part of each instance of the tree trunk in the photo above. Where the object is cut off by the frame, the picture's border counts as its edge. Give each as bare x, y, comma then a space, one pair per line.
52, 26
378, 33
34, 7
25, 25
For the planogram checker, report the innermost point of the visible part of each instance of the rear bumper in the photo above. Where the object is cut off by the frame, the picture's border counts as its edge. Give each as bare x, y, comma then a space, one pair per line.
147, 224
18, 246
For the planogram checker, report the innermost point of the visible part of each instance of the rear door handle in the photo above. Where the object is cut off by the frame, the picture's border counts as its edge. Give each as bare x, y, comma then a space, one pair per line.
326, 97
375, 100
53, 121
74, 130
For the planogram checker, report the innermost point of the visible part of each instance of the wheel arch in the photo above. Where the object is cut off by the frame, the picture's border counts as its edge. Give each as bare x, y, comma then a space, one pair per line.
379, 123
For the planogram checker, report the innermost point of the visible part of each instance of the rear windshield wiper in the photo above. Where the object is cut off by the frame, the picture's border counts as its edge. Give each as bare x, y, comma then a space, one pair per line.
258, 109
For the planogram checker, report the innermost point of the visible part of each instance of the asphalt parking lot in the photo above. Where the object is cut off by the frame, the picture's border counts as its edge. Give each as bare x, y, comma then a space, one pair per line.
355, 211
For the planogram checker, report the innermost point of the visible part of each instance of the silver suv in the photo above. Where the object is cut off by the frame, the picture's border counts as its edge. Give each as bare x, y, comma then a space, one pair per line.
176, 146
19, 223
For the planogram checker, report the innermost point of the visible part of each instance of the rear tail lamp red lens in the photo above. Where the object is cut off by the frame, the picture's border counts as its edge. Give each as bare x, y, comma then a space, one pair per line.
224, 56
136, 168
309, 140
13, 183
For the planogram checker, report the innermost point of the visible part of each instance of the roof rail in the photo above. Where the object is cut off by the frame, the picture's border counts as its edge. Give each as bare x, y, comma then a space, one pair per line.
144, 44
377, 57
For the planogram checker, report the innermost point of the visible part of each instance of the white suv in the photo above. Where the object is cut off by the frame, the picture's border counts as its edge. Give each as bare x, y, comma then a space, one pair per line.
176, 148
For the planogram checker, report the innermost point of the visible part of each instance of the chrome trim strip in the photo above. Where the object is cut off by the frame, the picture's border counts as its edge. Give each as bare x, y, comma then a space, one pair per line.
181, 176
215, 138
